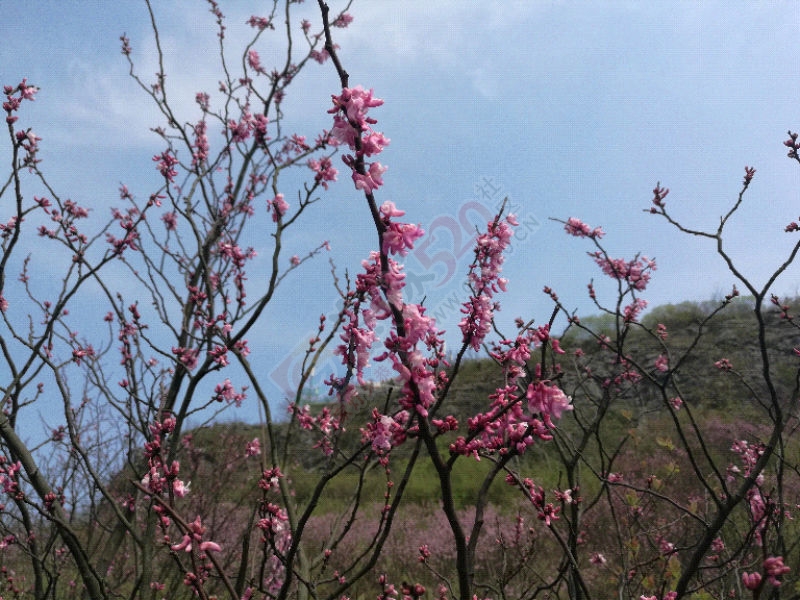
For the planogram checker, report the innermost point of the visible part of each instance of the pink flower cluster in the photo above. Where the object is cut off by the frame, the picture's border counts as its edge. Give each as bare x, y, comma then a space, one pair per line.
773, 569
160, 477
398, 238
724, 364
128, 221
260, 23
578, 228
484, 279
633, 310
194, 538
225, 392
201, 147
547, 400
325, 422
352, 126
13, 101
385, 432
253, 448
324, 171
761, 507
416, 370
254, 60
378, 295
8, 478
635, 272
166, 165
515, 421
659, 194
278, 206
506, 426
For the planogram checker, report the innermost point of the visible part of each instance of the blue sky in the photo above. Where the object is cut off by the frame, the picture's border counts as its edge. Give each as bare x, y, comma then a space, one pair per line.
569, 108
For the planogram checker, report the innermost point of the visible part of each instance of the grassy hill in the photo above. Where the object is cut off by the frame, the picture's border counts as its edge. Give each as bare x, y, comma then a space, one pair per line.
716, 395
635, 434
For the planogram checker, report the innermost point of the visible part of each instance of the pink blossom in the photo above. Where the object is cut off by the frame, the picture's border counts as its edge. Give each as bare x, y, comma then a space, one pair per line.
260, 23
357, 343
723, 364
195, 536
343, 20
399, 238
662, 364
233, 252
484, 278
774, 568
203, 101
547, 399
166, 163
241, 130
752, 581
597, 559
578, 228
350, 121
179, 488
659, 194
424, 553
384, 432
279, 207
374, 283
667, 548
389, 210
343, 132
296, 144
477, 323
355, 103
371, 180
26, 91
170, 220
373, 143
220, 355
253, 447
225, 391
80, 353
126, 45
200, 154
185, 544
324, 170
320, 55
632, 311
635, 273
187, 356
242, 348
254, 60
210, 547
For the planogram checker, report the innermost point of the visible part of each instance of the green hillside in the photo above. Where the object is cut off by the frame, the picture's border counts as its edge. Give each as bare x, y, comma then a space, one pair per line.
618, 424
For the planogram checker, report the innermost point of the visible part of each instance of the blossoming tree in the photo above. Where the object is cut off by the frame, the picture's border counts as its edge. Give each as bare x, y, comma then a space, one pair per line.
103, 507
